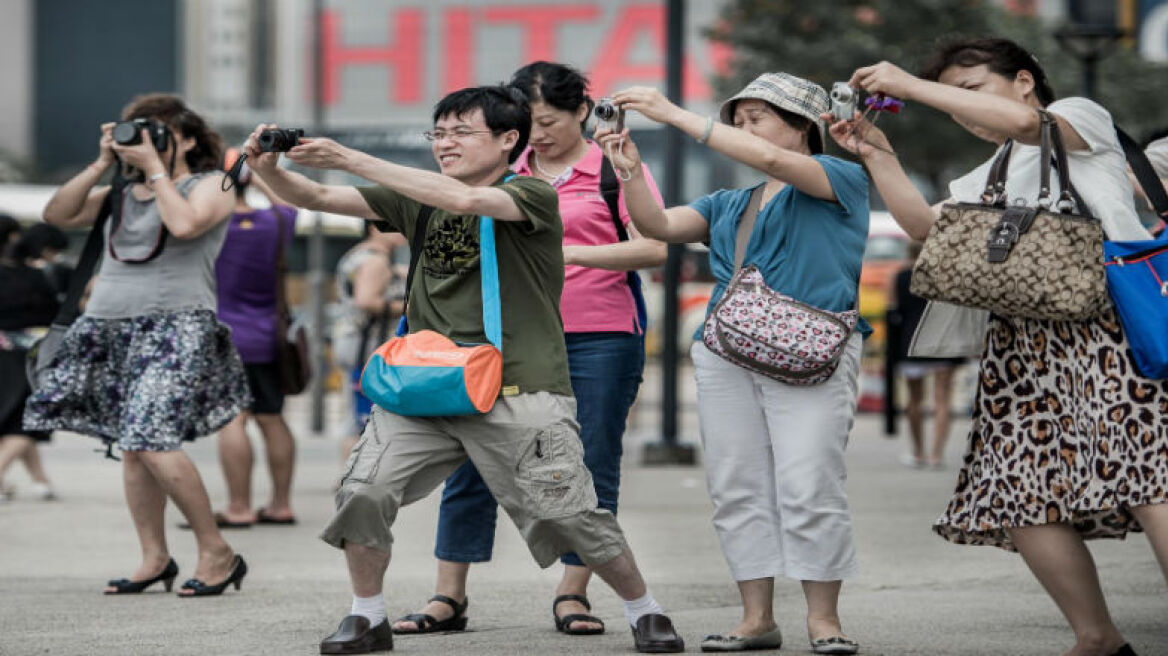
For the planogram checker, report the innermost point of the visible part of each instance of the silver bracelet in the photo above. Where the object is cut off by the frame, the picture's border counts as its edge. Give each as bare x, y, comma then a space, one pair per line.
708, 131
154, 178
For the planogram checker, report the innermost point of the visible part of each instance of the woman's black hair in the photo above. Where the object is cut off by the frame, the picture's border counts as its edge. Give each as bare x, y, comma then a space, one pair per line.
504, 108
171, 110
558, 85
1001, 56
802, 123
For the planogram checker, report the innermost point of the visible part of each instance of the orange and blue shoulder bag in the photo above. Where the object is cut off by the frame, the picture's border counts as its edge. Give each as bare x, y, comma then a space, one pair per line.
425, 373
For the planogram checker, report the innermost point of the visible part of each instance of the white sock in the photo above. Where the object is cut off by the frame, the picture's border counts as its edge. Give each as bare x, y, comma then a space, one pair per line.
371, 608
646, 605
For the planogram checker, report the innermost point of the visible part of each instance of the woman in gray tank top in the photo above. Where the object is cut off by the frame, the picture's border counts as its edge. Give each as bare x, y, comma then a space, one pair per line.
148, 365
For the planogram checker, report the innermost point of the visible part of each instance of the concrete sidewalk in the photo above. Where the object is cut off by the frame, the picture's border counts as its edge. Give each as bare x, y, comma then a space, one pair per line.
916, 594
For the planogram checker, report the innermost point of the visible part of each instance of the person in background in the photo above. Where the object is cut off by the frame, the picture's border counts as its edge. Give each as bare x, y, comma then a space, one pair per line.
247, 279
1157, 152
43, 245
27, 302
9, 234
906, 312
371, 291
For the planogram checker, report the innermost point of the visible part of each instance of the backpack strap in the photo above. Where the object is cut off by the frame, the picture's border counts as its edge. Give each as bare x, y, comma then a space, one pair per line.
610, 192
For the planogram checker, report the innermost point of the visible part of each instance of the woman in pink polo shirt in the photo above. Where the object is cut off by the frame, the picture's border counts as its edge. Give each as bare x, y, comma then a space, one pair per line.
604, 324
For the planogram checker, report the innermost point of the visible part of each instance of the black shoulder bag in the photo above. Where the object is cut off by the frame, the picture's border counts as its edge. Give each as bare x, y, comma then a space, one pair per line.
41, 355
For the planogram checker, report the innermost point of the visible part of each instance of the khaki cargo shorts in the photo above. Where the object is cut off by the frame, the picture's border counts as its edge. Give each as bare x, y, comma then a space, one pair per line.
527, 449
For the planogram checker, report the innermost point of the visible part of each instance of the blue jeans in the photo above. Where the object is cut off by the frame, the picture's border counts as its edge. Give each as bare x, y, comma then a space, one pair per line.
606, 374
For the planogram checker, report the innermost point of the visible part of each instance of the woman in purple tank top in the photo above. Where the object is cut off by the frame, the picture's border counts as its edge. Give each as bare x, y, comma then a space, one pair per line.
247, 277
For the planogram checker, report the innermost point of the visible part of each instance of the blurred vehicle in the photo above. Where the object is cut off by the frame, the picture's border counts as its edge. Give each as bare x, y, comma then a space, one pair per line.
884, 256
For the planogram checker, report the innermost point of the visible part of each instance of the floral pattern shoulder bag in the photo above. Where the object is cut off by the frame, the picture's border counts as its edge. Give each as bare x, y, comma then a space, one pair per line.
770, 333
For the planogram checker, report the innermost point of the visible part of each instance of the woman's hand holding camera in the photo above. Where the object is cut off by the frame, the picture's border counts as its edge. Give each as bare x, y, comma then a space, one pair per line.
885, 78
620, 149
142, 155
649, 102
105, 152
858, 136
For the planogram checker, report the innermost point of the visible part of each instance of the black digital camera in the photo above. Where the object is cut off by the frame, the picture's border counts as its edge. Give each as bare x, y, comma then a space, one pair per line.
279, 140
129, 133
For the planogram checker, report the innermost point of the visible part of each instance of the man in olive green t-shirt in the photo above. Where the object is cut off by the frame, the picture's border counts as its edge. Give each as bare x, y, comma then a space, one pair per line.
527, 447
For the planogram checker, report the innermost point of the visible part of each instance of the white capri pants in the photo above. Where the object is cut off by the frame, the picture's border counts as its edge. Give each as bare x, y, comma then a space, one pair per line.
774, 456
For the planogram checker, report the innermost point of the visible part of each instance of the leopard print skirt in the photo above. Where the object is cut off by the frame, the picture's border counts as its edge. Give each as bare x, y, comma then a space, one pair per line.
1065, 430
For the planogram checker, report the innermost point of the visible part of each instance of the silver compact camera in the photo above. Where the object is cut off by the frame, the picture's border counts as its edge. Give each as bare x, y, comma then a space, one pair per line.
843, 101
609, 115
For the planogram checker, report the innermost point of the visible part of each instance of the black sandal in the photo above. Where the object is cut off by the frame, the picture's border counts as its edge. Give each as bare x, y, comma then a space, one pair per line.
564, 624
198, 588
428, 624
126, 586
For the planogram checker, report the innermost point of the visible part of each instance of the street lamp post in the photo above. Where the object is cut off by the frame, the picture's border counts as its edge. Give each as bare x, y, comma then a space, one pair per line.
669, 451
1090, 36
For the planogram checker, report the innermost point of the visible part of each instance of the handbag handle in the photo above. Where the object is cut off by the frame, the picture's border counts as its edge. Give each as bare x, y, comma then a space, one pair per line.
995, 190
1051, 148
1069, 199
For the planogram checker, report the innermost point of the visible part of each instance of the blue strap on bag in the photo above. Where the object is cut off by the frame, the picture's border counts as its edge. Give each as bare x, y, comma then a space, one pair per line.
1137, 276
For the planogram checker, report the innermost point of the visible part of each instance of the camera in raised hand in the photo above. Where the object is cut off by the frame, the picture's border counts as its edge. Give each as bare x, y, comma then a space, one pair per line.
129, 133
609, 115
843, 101
279, 140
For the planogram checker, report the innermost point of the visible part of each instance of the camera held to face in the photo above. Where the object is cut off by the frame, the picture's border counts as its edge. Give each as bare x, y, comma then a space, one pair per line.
609, 115
279, 140
843, 101
129, 133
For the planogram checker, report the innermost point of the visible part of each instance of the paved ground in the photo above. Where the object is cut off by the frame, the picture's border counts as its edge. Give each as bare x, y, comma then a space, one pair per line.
916, 594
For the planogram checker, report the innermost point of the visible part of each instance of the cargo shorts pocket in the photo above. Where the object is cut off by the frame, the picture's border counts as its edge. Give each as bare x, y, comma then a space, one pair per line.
366, 456
552, 476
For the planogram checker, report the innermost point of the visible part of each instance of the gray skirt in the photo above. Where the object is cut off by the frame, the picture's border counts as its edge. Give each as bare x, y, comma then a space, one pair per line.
146, 383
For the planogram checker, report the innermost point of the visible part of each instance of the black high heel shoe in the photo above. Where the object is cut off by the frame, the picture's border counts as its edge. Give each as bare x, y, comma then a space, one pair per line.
126, 586
1125, 650
200, 589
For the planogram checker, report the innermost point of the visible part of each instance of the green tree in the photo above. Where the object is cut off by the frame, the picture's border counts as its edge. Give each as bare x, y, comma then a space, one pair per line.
826, 41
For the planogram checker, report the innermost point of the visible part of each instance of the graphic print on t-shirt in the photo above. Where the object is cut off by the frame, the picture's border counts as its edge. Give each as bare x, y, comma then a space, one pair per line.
452, 247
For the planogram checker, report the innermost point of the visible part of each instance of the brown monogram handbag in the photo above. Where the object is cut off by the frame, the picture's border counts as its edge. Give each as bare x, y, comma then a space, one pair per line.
1036, 262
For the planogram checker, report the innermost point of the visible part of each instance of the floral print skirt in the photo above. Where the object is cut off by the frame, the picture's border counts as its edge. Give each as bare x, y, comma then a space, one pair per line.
146, 383
1065, 430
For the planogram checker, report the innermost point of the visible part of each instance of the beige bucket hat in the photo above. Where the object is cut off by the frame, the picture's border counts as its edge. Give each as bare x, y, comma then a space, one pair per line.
784, 91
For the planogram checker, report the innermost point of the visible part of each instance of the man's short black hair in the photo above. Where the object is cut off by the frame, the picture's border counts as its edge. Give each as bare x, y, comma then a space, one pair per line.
504, 108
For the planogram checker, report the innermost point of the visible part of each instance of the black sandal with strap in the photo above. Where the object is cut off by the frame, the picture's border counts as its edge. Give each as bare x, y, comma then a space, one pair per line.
564, 624
428, 624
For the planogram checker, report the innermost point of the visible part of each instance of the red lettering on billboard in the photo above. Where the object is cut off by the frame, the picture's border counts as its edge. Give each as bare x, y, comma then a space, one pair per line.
540, 25
402, 54
612, 67
459, 46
